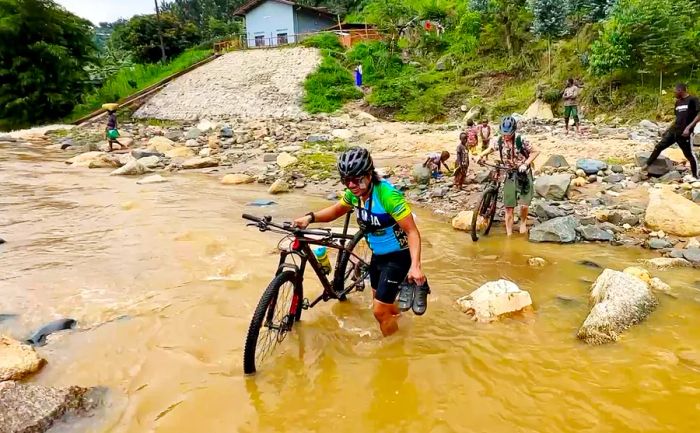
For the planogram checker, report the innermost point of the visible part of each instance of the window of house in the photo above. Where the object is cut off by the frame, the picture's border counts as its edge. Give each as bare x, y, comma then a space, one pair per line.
282, 39
260, 41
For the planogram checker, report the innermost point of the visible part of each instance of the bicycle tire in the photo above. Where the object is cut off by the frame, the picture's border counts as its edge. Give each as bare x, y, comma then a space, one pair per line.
340, 273
487, 209
264, 313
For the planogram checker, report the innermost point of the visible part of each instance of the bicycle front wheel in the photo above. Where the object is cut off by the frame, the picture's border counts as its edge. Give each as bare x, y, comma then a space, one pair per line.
482, 219
279, 307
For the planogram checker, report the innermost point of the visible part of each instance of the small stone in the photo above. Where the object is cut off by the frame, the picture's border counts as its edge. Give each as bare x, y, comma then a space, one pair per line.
192, 143
193, 134
344, 134
626, 226
205, 152
687, 186
300, 184
318, 138
463, 221
536, 262
617, 169
692, 255
278, 187
151, 180
237, 179
658, 244
284, 160
592, 178
226, 132
580, 173
270, 157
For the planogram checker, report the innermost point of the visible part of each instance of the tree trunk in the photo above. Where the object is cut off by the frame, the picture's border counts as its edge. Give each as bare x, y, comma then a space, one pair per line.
160, 33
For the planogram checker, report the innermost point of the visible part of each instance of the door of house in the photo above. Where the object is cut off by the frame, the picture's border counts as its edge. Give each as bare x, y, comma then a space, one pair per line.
260, 41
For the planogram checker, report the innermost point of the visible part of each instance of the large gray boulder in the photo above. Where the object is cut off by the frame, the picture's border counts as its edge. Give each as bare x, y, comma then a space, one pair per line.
660, 167
553, 187
31, 408
546, 211
594, 234
620, 301
421, 175
558, 230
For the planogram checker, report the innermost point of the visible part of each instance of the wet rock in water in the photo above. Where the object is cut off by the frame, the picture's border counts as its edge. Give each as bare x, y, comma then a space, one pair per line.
690, 358
676, 254
299, 184
195, 163
591, 166
672, 213
536, 262
589, 264
17, 360
660, 167
658, 244
692, 255
278, 187
695, 196
664, 263
284, 160
621, 301
566, 299
94, 160
494, 299
132, 168
38, 338
160, 144
594, 234
181, 152
421, 175
553, 187
8, 316
639, 273
2, 241
261, 202
556, 161
463, 221
546, 211
31, 408
558, 230
237, 179
151, 180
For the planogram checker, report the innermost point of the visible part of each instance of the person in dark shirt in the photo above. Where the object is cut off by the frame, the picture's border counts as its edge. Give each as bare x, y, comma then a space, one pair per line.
687, 115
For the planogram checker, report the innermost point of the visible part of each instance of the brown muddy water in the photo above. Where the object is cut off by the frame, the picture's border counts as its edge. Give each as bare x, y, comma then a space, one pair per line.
163, 280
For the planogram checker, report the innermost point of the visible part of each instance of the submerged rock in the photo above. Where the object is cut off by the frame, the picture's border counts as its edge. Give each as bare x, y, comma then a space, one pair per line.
463, 221
559, 230
30, 408
17, 360
94, 160
536, 262
237, 179
663, 263
621, 300
132, 168
494, 299
149, 180
278, 187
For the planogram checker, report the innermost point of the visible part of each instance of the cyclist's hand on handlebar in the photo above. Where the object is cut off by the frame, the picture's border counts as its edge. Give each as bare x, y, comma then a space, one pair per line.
302, 223
522, 168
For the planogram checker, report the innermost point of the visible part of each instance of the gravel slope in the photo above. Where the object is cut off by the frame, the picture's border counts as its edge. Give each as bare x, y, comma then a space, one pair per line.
254, 84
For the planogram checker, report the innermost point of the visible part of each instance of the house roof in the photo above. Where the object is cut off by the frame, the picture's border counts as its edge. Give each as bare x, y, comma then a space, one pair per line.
255, 3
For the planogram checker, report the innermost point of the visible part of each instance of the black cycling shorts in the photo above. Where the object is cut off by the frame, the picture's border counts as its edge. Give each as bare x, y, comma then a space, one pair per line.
387, 272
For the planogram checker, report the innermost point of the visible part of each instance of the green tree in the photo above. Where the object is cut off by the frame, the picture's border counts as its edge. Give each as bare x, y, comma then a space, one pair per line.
140, 36
43, 53
549, 22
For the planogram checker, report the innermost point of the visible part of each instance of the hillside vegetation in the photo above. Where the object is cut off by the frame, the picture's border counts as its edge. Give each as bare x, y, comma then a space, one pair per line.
441, 55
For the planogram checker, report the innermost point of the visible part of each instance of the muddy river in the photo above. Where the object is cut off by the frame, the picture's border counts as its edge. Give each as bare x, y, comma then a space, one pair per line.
163, 280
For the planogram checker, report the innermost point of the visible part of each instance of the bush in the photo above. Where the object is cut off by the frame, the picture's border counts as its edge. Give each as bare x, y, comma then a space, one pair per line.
324, 41
394, 93
329, 87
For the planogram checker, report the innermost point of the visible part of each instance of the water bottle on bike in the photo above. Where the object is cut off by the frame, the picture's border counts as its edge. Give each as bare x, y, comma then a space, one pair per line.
321, 254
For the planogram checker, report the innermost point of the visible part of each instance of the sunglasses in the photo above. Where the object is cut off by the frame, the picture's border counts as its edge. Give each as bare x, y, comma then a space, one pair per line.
354, 180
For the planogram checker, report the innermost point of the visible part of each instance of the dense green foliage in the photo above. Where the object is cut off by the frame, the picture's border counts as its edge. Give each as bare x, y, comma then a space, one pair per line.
331, 85
43, 52
140, 36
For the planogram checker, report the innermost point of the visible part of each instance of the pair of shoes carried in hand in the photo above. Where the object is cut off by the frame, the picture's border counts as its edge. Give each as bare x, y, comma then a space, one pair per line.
413, 296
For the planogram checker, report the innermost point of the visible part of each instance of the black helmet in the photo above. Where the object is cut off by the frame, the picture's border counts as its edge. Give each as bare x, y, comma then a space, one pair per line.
355, 161
508, 125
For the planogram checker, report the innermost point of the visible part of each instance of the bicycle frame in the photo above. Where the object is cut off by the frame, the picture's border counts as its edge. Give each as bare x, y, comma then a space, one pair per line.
301, 248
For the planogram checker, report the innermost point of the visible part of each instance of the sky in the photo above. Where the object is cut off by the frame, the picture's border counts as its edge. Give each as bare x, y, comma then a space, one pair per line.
107, 10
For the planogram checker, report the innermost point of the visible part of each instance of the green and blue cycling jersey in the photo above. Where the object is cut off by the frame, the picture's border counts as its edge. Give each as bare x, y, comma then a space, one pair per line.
378, 217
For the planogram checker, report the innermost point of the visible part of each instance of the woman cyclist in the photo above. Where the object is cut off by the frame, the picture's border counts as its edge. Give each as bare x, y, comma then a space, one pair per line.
391, 232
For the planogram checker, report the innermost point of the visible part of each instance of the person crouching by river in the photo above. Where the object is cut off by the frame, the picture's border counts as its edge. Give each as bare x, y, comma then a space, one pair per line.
517, 154
385, 218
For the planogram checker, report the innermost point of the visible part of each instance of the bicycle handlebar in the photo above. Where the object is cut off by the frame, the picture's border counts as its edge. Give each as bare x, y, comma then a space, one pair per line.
264, 223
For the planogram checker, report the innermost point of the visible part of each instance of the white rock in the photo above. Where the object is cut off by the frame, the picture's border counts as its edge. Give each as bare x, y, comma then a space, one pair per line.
132, 168
278, 187
150, 161
205, 152
206, 125
693, 243
536, 262
94, 160
17, 360
180, 152
463, 221
160, 144
156, 178
621, 300
626, 226
284, 159
494, 299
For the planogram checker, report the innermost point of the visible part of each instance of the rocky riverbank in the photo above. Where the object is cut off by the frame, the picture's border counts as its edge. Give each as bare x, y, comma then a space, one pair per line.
578, 198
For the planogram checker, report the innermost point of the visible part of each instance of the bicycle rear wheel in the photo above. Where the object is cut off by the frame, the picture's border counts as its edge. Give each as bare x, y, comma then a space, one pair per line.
482, 219
279, 307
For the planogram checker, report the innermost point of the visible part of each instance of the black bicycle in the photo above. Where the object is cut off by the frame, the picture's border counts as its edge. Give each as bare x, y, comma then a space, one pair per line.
283, 300
482, 218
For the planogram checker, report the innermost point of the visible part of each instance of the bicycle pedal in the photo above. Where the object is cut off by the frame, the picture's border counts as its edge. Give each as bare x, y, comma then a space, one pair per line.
305, 304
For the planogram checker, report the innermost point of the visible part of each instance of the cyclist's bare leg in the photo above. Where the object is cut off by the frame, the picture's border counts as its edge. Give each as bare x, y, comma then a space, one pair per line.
386, 315
524, 210
510, 218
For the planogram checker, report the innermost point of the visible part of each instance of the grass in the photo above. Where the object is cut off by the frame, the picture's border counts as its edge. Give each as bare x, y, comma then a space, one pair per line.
329, 87
319, 165
129, 81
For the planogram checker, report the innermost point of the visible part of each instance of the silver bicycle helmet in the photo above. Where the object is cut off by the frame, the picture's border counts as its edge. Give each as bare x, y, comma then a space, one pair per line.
355, 161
